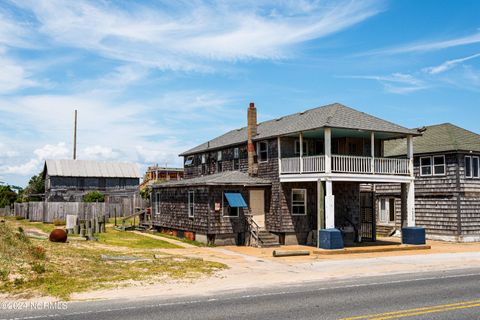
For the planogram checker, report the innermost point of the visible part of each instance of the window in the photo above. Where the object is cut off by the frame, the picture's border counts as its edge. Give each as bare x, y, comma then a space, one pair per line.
204, 158
438, 165
236, 159
426, 166
189, 161
191, 203
304, 148
219, 161
472, 167
204, 164
157, 203
468, 167
262, 151
227, 210
219, 156
299, 201
475, 166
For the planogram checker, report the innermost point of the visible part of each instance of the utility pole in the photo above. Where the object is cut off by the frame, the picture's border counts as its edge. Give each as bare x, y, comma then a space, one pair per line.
75, 138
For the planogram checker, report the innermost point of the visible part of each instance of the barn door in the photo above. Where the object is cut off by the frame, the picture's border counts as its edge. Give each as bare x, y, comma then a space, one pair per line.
367, 216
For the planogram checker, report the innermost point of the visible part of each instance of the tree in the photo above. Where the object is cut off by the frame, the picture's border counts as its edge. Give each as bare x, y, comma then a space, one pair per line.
7, 196
94, 196
35, 188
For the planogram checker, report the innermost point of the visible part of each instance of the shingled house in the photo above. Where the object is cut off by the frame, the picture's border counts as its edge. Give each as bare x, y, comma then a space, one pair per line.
285, 178
70, 180
447, 184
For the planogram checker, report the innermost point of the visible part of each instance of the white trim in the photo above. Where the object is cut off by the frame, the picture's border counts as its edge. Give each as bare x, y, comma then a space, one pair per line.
305, 177
191, 206
426, 166
258, 151
304, 202
444, 166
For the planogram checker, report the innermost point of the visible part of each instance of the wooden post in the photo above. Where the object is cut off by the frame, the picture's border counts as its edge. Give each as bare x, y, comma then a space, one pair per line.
327, 132
75, 138
301, 152
279, 155
372, 152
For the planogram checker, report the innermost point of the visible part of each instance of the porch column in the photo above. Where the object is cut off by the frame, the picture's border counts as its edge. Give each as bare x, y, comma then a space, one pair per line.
329, 206
301, 152
327, 135
411, 204
410, 154
372, 152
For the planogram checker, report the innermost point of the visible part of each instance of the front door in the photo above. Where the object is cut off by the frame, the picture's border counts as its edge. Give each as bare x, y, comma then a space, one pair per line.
387, 210
257, 206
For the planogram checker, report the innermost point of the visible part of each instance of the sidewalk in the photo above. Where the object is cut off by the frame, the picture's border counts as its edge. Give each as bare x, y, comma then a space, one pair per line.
255, 267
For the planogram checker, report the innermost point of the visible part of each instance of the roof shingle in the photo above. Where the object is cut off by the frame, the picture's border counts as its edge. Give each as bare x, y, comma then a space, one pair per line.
234, 178
90, 168
334, 116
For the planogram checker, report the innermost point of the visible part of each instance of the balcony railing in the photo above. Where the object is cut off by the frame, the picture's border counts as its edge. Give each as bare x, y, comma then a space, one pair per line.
345, 164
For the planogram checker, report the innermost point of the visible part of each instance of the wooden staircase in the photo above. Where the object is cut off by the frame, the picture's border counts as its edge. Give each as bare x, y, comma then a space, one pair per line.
385, 231
259, 237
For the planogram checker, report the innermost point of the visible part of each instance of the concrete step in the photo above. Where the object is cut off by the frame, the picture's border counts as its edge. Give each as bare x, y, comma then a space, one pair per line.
267, 239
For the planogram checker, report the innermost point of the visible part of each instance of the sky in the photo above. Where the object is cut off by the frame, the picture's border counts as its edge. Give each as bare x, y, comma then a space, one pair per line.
151, 79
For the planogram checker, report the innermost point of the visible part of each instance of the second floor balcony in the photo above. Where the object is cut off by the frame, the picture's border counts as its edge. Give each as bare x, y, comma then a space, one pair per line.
340, 151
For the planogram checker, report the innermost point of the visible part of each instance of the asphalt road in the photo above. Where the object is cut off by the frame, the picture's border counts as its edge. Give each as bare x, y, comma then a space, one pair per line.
438, 295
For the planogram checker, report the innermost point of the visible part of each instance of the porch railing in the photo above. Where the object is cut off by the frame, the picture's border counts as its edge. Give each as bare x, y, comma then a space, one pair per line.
391, 166
345, 164
313, 164
351, 164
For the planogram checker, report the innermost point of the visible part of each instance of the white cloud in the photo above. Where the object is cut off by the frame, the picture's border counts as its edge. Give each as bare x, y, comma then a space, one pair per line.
432, 45
449, 64
51, 151
99, 153
399, 83
14, 76
175, 35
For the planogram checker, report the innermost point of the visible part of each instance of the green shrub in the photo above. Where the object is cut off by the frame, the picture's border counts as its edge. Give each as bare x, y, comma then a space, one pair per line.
4, 274
19, 218
18, 282
94, 196
38, 268
59, 222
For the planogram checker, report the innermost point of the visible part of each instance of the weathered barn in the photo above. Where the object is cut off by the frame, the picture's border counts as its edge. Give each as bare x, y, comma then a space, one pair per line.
291, 177
447, 184
70, 180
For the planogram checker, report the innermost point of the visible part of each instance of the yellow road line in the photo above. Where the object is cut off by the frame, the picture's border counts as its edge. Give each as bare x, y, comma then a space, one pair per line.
428, 312
398, 314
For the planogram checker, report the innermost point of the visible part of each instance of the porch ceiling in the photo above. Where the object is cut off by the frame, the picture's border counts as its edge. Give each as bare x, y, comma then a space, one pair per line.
342, 133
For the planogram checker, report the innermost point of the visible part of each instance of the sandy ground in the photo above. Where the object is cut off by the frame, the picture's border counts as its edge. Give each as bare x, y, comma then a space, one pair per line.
256, 267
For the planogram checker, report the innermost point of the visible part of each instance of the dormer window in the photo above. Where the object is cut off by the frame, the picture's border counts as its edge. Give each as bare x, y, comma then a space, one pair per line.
262, 151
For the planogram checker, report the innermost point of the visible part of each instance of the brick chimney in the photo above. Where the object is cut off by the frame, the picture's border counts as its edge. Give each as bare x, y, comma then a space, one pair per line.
252, 132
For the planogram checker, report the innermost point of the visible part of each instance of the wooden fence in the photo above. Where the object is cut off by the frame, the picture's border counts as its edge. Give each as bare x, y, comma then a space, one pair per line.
50, 211
5, 212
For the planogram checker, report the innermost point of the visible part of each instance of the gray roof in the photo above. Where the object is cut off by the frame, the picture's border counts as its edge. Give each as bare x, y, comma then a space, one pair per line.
90, 168
331, 116
234, 178
436, 138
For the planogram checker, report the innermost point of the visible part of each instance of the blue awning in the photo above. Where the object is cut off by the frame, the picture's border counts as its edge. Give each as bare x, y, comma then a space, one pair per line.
235, 200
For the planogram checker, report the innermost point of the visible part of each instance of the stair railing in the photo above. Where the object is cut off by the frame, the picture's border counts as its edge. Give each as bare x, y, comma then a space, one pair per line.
253, 230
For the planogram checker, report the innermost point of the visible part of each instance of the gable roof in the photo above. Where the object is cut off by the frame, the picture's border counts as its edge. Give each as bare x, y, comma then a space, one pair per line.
333, 116
436, 138
90, 168
234, 178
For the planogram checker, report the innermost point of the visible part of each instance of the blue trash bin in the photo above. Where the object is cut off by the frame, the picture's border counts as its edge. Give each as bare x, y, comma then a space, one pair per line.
413, 235
331, 239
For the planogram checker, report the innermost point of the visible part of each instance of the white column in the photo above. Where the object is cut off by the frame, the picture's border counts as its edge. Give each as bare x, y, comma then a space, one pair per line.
301, 152
279, 155
411, 204
329, 206
410, 154
327, 135
372, 152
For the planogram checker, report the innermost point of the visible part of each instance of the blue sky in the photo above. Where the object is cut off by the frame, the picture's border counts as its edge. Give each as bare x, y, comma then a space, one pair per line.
151, 79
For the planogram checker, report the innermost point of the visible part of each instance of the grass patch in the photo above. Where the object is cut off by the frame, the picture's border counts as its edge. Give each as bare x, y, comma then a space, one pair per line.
26, 224
60, 269
131, 240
